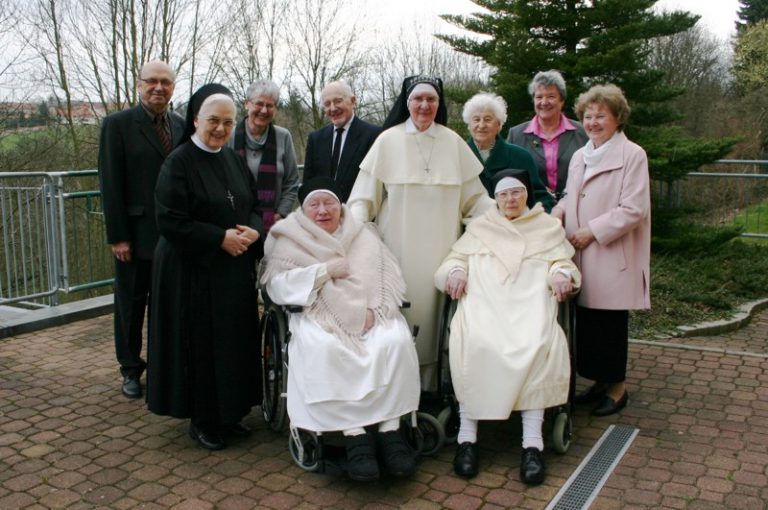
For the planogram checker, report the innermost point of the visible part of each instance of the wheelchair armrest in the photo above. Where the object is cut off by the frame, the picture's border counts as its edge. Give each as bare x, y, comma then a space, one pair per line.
405, 304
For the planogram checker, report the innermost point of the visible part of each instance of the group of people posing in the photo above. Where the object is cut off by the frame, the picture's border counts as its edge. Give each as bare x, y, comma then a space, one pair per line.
406, 212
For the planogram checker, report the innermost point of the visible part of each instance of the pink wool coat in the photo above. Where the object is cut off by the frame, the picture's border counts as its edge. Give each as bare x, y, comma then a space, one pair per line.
615, 203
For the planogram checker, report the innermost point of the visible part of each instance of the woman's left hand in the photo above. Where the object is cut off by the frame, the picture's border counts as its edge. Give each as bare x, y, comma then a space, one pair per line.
247, 233
581, 238
561, 287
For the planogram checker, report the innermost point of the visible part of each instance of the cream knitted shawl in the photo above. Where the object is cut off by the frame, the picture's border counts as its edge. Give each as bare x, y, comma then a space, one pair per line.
512, 241
375, 279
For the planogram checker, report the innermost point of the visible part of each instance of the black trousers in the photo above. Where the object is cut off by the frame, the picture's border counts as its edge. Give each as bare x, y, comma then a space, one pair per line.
132, 283
601, 344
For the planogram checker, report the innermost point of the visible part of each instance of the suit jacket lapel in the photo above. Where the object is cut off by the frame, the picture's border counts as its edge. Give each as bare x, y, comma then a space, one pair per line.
350, 145
148, 130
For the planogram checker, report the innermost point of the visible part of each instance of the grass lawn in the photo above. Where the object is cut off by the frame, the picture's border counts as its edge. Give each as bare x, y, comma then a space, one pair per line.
692, 284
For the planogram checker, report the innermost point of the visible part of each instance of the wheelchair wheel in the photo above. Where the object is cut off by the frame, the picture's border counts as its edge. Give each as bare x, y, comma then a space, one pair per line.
562, 428
433, 435
304, 446
449, 420
444, 383
273, 330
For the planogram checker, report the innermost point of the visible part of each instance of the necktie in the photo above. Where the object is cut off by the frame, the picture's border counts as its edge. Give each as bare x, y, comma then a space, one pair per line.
162, 132
336, 151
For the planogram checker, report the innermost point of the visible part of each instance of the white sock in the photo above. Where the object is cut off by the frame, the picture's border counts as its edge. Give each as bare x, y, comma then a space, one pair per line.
467, 427
389, 425
354, 432
532, 421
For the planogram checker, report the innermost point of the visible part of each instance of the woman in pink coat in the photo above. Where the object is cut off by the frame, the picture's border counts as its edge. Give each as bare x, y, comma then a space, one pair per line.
607, 216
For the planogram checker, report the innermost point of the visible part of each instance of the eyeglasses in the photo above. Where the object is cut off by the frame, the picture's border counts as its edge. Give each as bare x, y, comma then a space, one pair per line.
430, 100
509, 194
215, 122
261, 105
153, 82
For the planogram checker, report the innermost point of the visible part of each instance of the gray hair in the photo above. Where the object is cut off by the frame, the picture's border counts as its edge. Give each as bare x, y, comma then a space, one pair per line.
482, 102
546, 79
263, 87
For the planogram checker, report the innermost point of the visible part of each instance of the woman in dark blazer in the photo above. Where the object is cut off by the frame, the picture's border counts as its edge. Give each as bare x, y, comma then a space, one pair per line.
550, 137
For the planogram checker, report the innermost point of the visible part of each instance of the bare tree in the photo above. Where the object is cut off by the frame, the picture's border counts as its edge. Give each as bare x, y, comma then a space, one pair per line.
324, 46
416, 51
696, 62
250, 40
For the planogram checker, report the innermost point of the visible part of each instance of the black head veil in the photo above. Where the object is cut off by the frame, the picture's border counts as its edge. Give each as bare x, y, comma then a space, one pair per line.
196, 101
399, 112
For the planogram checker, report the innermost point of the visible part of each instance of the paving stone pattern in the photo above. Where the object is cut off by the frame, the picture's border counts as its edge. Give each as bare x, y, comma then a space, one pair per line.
69, 439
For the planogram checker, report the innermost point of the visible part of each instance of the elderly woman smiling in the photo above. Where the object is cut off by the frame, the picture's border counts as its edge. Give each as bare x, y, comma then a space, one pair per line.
418, 183
353, 362
203, 364
607, 216
268, 150
550, 136
507, 352
484, 114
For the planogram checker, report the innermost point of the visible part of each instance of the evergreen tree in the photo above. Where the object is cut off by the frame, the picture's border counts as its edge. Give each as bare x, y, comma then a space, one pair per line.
750, 13
597, 41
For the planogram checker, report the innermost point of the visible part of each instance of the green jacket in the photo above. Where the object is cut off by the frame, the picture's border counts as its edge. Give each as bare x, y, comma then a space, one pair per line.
506, 155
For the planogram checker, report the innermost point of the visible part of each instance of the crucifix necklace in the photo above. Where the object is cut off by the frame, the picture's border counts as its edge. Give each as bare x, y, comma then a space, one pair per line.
426, 161
231, 198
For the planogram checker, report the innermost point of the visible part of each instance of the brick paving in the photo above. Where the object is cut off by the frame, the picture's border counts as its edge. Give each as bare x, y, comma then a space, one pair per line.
69, 439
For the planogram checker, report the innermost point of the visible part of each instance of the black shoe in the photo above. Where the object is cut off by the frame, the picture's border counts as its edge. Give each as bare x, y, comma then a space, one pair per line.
591, 395
361, 459
398, 457
532, 466
131, 386
466, 460
608, 406
206, 439
236, 430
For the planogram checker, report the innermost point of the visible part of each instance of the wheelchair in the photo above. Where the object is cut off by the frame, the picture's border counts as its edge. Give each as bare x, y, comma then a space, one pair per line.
310, 450
443, 428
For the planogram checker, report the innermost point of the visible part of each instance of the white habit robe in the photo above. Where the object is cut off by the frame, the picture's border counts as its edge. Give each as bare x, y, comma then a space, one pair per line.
507, 350
418, 187
332, 387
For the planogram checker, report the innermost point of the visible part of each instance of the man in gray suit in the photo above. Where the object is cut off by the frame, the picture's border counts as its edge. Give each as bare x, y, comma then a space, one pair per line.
337, 149
133, 146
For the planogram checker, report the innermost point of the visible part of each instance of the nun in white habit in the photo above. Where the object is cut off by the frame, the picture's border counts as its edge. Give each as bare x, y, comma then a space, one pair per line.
507, 352
352, 358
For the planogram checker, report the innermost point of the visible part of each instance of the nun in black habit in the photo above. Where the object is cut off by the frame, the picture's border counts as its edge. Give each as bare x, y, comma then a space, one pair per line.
203, 354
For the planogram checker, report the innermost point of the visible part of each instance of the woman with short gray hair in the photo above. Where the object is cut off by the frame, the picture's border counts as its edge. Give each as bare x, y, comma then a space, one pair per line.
484, 114
268, 151
550, 136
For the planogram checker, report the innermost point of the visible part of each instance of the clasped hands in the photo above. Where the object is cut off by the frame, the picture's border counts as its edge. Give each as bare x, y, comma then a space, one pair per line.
237, 240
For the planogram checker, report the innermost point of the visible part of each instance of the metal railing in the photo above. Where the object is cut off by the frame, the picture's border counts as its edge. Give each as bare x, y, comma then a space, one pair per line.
52, 240
53, 243
729, 192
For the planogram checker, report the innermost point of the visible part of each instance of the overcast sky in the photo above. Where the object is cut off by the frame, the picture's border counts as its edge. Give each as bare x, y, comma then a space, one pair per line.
718, 15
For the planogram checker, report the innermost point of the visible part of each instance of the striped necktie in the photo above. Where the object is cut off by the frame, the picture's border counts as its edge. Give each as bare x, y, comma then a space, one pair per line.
162, 132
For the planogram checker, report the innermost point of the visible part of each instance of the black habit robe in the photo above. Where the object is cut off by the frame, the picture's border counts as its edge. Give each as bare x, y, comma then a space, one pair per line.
203, 348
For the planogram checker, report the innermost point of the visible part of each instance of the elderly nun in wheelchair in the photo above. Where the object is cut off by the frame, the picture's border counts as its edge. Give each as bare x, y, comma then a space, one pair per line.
352, 358
507, 351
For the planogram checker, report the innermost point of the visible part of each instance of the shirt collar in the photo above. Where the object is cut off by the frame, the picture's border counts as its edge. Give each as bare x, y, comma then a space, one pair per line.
197, 141
534, 128
411, 129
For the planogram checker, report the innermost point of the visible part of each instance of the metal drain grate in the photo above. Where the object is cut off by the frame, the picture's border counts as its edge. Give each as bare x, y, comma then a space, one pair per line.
585, 483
